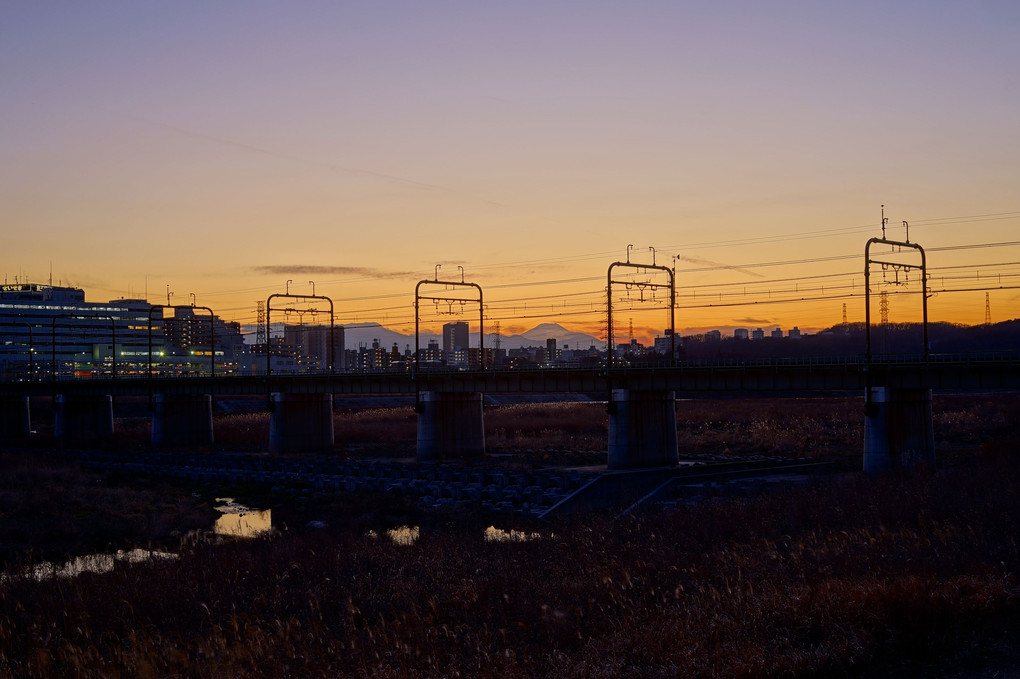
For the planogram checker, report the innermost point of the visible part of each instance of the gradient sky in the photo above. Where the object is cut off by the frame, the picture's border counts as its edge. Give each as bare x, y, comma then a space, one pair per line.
224, 148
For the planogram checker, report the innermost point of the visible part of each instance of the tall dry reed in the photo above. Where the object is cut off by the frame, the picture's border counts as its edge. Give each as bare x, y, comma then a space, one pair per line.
839, 578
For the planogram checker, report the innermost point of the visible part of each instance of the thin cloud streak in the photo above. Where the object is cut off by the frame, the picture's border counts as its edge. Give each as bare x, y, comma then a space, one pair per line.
316, 270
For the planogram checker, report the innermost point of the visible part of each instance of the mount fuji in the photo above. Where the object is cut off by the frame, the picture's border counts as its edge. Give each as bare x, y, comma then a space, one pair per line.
364, 334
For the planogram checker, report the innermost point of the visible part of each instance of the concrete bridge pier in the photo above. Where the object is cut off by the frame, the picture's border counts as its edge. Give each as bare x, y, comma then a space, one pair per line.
898, 430
300, 423
182, 419
642, 429
15, 418
450, 425
83, 416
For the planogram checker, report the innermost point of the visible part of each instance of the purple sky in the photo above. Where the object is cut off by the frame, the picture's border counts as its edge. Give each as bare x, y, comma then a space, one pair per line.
225, 148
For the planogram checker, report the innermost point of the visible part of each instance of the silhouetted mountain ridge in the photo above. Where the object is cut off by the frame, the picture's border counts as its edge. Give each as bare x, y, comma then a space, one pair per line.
364, 334
850, 340
839, 340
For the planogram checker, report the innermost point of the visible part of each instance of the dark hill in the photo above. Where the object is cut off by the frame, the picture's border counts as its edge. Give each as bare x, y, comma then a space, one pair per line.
849, 340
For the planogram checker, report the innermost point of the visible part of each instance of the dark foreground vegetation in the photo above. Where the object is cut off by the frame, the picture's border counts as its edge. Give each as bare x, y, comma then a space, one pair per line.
846, 576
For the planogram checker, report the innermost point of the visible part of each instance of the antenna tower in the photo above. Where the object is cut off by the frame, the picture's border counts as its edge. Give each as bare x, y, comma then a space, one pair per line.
988, 310
260, 326
844, 313
632, 331
883, 308
496, 340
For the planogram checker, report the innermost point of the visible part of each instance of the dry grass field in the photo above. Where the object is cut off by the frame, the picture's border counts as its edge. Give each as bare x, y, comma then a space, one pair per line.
903, 576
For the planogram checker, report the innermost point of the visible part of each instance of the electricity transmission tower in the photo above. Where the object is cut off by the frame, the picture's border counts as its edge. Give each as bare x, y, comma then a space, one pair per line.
260, 326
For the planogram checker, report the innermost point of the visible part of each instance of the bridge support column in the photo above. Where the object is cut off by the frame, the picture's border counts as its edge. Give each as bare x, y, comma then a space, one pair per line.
898, 430
300, 423
15, 417
83, 416
642, 429
450, 425
182, 419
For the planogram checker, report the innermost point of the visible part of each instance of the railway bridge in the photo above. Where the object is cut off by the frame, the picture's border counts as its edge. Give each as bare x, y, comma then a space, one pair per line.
641, 401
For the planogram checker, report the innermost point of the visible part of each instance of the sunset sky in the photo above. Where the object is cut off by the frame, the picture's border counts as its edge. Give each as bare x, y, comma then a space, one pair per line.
225, 148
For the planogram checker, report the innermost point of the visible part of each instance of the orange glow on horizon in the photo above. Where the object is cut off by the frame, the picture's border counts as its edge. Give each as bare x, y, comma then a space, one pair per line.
233, 152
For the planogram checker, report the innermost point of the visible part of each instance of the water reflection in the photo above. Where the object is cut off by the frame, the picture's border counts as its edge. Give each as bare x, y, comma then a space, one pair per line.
240, 521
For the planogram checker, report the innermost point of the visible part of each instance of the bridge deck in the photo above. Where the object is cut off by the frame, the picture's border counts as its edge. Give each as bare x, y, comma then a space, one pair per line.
960, 372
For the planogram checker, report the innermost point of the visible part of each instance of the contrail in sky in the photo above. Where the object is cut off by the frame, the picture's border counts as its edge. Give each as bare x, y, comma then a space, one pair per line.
708, 262
331, 166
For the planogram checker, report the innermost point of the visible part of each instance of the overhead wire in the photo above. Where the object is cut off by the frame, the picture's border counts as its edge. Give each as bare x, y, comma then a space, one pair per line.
774, 238
499, 305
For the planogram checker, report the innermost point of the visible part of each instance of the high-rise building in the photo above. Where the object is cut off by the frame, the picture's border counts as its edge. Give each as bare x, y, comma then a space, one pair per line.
455, 336
373, 359
312, 342
316, 345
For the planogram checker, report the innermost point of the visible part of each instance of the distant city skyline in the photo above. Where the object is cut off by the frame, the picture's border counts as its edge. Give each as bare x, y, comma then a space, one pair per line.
233, 150
130, 337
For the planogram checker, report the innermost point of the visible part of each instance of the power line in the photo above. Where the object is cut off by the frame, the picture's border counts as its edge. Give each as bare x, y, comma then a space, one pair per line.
774, 295
777, 238
591, 297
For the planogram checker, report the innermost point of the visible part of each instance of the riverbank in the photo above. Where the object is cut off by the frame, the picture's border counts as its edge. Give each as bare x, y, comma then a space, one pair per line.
844, 576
